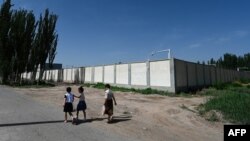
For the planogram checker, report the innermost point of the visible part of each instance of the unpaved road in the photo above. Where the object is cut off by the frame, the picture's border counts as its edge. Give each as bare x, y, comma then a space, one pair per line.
23, 119
137, 117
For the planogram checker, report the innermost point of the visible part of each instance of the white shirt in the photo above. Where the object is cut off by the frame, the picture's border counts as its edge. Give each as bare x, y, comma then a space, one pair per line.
82, 97
108, 94
69, 97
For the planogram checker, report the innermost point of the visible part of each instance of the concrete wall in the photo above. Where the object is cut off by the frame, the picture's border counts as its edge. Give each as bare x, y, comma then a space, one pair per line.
98, 74
109, 74
213, 75
51, 75
200, 75
69, 75
81, 74
28, 75
77, 75
88, 74
207, 75
218, 75
180, 74
122, 74
160, 73
192, 76
139, 74
172, 75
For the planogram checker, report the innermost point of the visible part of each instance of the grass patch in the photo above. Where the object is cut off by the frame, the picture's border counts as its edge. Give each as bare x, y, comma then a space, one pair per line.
232, 100
220, 86
87, 85
224, 86
234, 105
151, 91
208, 92
244, 81
240, 90
146, 91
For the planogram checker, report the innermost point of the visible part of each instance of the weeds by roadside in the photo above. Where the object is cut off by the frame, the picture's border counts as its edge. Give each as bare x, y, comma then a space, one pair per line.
146, 91
231, 99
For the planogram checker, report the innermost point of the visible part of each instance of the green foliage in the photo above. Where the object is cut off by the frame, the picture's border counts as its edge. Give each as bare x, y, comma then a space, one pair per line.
86, 84
244, 81
151, 91
23, 45
207, 92
46, 40
232, 101
222, 86
240, 89
146, 91
99, 86
231, 61
6, 51
21, 38
235, 84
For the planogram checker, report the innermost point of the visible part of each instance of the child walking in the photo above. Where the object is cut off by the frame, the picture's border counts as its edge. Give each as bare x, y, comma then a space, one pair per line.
68, 104
108, 103
81, 106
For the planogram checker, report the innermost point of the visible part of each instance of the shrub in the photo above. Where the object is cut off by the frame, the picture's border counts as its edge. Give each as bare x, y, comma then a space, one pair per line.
233, 105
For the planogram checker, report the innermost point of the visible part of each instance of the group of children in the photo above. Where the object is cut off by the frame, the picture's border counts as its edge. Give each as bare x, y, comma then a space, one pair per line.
81, 106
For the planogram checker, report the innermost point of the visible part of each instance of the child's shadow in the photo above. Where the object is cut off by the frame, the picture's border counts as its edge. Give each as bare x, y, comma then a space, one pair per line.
115, 119
121, 118
79, 121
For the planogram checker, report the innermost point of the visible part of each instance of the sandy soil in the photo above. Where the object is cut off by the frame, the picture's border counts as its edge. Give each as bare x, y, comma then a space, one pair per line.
146, 117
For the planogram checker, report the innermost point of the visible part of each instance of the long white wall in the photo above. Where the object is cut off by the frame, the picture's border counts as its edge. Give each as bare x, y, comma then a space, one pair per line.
88, 74
98, 74
160, 73
109, 74
173, 75
68, 75
122, 74
139, 74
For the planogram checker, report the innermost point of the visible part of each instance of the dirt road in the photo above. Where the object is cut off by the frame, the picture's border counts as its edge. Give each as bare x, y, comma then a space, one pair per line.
138, 117
24, 119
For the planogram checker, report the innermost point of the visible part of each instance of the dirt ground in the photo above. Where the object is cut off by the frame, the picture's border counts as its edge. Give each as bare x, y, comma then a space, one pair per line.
146, 117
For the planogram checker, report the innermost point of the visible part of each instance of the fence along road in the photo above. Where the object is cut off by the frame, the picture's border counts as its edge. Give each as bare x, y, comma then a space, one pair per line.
171, 75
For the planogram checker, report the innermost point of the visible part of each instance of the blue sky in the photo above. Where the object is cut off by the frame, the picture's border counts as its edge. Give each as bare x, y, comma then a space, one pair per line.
95, 32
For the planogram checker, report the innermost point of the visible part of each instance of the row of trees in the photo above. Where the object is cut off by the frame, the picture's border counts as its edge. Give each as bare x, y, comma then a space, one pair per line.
232, 61
26, 44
